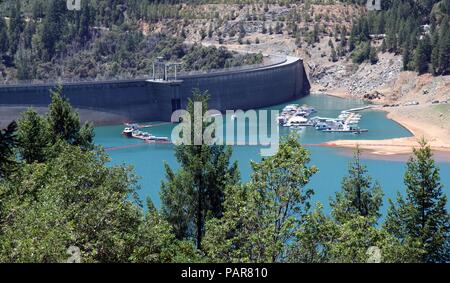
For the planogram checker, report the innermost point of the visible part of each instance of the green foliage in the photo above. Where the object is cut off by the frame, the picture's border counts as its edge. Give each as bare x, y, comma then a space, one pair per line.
33, 137
408, 26
195, 193
422, 217
422, 55
64, 122
206, 58
8, 141
156, 243
444, 48
323, 240
362, 52
359, 196
16, 26
262, 216
351, 231
53, 27
4, 41
96, 42
65, 195
48, 217
57, 190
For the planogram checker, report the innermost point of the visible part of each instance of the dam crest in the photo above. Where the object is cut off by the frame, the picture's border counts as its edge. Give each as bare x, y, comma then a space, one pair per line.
146, 99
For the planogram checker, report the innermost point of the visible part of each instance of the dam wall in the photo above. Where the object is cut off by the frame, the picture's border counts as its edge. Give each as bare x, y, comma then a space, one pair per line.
119, 101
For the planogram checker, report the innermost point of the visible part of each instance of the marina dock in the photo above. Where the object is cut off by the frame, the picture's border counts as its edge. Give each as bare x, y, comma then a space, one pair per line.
295, 117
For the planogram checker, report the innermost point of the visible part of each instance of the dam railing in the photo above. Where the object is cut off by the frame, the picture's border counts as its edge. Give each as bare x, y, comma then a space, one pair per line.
272, 60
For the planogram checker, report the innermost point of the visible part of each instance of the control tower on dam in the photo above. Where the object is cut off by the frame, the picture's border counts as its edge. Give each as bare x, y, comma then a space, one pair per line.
155, 99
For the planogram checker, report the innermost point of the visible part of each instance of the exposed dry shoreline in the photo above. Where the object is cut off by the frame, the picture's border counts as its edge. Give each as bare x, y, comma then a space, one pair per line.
421, 121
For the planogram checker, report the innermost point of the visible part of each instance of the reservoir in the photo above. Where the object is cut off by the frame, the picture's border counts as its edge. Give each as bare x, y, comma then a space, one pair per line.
148, 159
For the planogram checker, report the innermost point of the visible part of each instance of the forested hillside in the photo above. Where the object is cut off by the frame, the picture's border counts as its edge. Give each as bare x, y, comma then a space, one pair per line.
120, 38
419, 30
42, 40
58, 189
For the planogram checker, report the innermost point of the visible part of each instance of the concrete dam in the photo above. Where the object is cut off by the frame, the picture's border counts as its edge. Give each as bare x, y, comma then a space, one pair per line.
119, 101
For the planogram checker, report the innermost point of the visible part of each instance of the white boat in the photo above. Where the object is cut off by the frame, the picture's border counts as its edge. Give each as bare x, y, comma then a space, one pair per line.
297, 121
128, 132
133, 132
290, 107
320, 126
281, 120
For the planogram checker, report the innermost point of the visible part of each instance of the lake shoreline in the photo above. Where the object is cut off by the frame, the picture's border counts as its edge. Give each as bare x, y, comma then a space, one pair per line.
409, 118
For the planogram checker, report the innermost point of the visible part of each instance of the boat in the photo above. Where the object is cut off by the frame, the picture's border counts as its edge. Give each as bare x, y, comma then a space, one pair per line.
128, 132
158, 140
321, 126
297, 121
133, 132
282, 120
347, 129
290, 107
295, 110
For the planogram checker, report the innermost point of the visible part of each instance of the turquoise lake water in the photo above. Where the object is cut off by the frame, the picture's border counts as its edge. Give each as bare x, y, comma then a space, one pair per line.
332, 163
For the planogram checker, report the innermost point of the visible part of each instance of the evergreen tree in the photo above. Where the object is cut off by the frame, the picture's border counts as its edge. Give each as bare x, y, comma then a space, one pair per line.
373, 56
422, 56
53, 26
262, 217
4, 41
406, 56
421, 216
8, 141
196, 192
444, 48
33, 137
351, 232
435, 53
64, 122
359, 195
30, 30
16, 27
24, 64
85, 19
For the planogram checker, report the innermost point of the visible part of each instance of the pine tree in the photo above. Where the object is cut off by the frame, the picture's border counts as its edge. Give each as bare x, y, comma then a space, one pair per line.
435, 53
16, 27
406, 56
373, 56
359, 195
85, 20
8, 141
4, 41
30, 30
444, 48
422, 55
262, 217
64, 122
195, 193
24, 64
53, 26
33, 137
422, 216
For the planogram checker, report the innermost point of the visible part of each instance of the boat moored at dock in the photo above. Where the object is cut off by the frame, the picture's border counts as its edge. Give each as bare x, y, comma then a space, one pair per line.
133, 131
347, 121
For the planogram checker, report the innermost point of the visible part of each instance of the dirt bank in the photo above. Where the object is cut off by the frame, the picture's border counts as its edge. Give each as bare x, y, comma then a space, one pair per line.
426, 121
